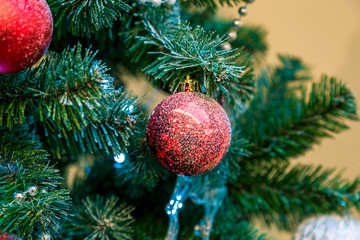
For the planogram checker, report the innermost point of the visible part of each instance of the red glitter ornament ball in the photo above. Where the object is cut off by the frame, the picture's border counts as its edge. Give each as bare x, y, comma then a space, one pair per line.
6, 236
26, 28
188, 133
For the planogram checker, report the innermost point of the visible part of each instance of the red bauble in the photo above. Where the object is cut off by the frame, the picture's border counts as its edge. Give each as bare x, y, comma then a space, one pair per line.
26, 28
6, 236
188, 133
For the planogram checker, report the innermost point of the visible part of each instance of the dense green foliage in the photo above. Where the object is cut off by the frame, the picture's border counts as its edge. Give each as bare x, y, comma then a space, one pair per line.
63, 122
25, 164
75, 14
100, 219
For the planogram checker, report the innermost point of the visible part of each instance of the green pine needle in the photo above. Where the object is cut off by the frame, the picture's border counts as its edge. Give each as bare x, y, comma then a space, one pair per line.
282, 122
140, 169
236, 230
22, 165
72, 97
195, 52
283, 195
101, 219
84, 17
108, 133
59, 84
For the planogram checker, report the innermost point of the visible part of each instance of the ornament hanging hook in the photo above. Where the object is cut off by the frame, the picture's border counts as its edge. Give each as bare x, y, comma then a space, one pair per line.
189, 85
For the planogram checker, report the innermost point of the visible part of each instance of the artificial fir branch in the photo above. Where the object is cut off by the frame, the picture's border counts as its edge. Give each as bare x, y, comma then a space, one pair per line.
73, 98
101, 218
72, 101
22, 165
291, 69
230, 167
293, 125
236, 230
250, 38
295, 119
64, 82
140, 169
187, 51
86, 17
284, 195
109, 133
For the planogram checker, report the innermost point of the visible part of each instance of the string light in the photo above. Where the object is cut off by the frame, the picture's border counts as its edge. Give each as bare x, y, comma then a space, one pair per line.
131, 108
120, 158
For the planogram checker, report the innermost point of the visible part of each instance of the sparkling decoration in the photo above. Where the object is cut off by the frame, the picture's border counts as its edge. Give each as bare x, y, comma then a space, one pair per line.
243, 11
226, 46
19, 196
237, 23
44, 191
45, 236
120, 158
26, 28
33, 191
232, 35
329, 228
6, 236
188, 133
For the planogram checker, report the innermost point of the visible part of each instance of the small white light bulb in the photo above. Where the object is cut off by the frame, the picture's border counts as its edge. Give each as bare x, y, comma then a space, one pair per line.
120, 158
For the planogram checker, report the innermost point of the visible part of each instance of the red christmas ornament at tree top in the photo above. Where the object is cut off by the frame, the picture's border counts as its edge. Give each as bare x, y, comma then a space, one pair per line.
188, 133
25, 33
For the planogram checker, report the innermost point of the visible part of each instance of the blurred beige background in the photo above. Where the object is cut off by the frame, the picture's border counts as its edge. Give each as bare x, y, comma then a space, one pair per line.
326, 35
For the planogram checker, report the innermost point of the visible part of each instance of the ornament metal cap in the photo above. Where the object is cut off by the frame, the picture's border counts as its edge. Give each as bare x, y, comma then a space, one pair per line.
189, 85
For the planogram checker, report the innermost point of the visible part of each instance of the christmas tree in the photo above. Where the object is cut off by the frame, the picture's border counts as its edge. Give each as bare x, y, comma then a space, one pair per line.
80, 158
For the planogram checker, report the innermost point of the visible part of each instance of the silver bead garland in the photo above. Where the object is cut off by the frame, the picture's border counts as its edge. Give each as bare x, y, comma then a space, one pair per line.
33, 191
243, 11
226, 46
19, 197
237, 23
